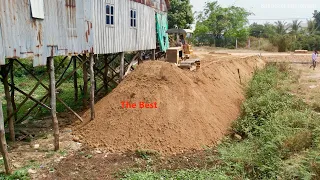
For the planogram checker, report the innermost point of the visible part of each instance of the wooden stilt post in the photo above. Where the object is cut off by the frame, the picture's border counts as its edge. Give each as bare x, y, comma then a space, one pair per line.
85, 81
75, 79
95, 59
3, 145
5, 71
105, 75
55, 123
153, 54
12, 89
122, 66
92, 86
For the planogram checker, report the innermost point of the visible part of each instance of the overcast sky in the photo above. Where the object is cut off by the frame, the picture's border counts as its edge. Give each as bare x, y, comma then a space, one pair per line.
269, 10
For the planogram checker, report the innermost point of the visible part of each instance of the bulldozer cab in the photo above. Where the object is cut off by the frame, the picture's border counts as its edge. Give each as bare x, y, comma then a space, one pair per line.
180, 38
180, 49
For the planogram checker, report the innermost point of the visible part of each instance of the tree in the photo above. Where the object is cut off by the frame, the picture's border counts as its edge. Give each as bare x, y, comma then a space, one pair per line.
311, 26
269, 30
256, 30
236, 22
295, 26
201, 33
316, 16
281, 27
224, 23
180, 14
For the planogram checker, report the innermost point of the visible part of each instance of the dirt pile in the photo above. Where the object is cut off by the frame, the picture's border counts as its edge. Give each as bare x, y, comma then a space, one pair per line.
194, 109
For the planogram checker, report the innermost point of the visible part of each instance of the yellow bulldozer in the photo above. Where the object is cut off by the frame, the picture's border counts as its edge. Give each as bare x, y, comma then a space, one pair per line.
180, 49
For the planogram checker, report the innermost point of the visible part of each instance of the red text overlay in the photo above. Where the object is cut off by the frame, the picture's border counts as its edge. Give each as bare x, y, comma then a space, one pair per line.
141, 105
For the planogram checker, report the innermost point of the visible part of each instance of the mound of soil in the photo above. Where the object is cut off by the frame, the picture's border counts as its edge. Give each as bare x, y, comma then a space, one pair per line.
194, 109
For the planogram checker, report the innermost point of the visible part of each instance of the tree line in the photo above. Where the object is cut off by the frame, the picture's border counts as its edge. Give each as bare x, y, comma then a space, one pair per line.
223, 26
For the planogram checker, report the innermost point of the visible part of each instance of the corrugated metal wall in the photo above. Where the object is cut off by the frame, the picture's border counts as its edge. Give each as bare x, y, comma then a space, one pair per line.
65, 30
121, 37
2, 56
72, 27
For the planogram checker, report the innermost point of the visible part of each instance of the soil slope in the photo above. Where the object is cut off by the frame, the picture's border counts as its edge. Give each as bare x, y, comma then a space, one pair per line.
194, 109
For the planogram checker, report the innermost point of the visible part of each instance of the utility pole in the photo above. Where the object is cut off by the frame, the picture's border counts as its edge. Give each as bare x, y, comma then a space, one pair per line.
260, 40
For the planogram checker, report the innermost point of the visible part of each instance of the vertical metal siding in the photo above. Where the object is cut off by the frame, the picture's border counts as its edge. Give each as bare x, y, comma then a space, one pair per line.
24, 36
122, 37
69, 30
2, 54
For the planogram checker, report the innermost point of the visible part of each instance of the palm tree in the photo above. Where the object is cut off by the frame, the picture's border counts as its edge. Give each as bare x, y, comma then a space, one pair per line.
316, 16
311, 26
281, 27
295, 26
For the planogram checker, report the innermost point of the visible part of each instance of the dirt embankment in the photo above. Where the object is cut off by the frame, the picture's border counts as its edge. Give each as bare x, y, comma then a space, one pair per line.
194, 109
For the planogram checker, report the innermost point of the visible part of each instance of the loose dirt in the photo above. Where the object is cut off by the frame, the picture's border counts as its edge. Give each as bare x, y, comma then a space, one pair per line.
194, 109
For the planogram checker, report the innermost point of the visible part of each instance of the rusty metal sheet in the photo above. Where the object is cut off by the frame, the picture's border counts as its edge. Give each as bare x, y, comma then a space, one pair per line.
71, 27
37, 9
66, 29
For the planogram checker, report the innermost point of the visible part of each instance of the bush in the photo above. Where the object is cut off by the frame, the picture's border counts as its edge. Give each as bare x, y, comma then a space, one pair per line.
265, 44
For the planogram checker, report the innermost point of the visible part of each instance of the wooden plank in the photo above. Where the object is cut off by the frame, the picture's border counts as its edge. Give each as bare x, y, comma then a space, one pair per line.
153, 54
44, 98
75, 79
40, 102
3, 143
65, 70
30, 97
239, 76
4, 72
85, 81
14, 106
34, 88
92, 87
131, 63
70, 74
95, 59
48, 89
122, 66
79, 117
55, 122
40, 83
60, 64
105, 75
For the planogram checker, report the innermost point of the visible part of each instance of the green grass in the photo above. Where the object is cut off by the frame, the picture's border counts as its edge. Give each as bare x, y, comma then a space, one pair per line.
26, 82
22, 173
19, 174
280, 137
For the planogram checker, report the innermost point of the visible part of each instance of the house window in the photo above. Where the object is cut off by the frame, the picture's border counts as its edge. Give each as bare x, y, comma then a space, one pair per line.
37, 9
110, 14
133, 18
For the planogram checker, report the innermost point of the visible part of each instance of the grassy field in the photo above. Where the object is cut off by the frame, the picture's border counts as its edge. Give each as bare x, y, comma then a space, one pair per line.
278, 137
